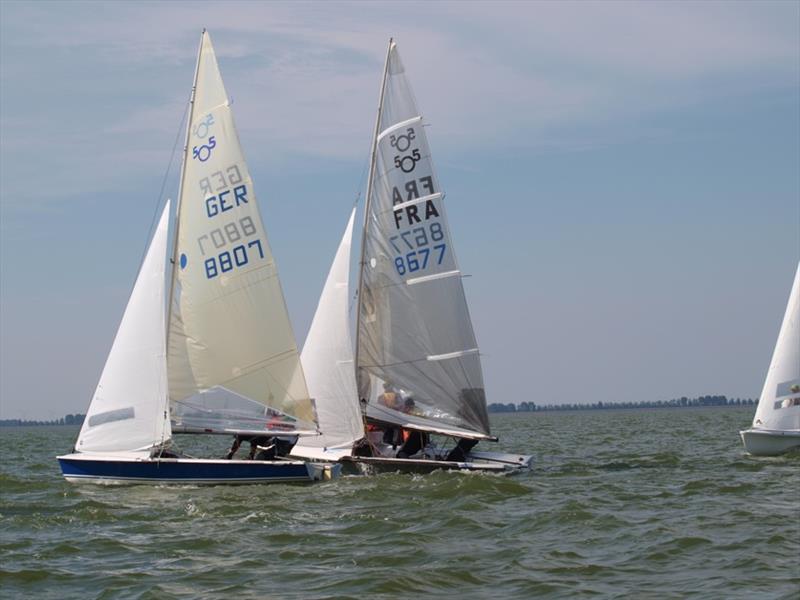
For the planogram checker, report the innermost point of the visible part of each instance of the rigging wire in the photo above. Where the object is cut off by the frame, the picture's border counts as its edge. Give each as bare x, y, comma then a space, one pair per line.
159, 200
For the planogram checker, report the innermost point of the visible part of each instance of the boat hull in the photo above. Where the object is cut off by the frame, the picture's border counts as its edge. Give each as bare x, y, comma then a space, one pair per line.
112, 470
766, 442
486, 462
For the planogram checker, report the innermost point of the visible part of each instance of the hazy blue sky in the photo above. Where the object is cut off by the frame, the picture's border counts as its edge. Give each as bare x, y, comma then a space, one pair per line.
622, 178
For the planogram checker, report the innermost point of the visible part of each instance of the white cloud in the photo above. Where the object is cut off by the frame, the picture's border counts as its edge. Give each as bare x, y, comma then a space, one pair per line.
305, 76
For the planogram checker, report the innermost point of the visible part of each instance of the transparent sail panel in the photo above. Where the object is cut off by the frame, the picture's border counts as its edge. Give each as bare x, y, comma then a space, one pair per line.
779, 404
220, 410
415, 332
229, 327
127, 409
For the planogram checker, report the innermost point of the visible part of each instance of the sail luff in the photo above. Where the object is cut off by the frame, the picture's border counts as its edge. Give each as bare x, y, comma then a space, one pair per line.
176, 230
367, 208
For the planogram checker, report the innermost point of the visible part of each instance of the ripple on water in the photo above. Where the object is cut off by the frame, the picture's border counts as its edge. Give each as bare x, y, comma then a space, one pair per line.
601, 515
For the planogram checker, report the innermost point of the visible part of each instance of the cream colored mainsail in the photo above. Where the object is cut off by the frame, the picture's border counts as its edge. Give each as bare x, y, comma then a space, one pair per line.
232, 358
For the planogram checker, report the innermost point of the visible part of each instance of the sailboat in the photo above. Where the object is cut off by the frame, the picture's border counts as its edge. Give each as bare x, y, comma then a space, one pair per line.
212, 351
415, 373
776, 424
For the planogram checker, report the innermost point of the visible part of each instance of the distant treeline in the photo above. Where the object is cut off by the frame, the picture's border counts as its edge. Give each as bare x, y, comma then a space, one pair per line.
683, 402
67, 420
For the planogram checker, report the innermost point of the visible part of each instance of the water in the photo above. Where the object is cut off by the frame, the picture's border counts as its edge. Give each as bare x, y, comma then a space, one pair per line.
621, 504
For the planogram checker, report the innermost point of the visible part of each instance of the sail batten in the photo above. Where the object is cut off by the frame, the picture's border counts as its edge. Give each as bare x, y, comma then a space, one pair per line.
416, 280
399, 125
416, 201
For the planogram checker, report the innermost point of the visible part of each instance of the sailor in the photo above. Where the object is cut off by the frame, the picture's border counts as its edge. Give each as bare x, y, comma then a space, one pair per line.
237, 441
264, 445
389, 398
410, 407
459, 453
413, 439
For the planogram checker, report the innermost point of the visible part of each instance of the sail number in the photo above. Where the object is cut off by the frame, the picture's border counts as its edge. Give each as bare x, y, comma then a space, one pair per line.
423, 246
230, 233
227, 260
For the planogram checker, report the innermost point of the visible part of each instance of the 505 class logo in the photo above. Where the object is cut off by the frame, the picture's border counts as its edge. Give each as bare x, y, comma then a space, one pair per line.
203, 153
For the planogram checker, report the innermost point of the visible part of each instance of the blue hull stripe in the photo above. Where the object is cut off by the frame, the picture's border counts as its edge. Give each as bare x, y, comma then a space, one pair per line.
171, 471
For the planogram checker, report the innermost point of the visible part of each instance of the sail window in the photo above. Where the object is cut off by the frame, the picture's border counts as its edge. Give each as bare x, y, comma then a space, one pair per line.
788, 388
119, 414
786, 403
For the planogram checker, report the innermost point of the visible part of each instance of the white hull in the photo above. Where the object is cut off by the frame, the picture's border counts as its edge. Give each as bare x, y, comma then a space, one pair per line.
432, 460
764, 442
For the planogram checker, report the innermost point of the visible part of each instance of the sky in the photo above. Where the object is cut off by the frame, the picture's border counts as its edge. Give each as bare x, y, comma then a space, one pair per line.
623, 178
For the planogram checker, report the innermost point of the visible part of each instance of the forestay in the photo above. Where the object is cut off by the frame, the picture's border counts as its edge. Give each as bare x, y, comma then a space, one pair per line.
128, 409
418, 362
779, 404
328, 358
232, 358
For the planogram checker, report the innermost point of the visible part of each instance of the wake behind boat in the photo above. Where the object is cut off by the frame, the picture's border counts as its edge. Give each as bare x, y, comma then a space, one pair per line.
776, 424
416, 366
213, 352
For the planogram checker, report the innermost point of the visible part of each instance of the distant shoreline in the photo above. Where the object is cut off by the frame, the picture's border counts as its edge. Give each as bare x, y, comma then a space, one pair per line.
684, 402
65, 420
523, 407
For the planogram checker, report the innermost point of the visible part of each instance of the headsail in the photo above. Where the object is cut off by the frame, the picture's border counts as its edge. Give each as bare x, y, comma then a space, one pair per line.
417, 358
779, 403
127, 411
232, 357
328, 357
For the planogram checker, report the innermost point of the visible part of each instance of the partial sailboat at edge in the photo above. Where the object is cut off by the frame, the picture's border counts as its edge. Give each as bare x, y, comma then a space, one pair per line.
776, 425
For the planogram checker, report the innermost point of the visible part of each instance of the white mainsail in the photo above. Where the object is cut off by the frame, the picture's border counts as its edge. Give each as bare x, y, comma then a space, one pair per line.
415, 337
232, 357
327, 358
779, 403
128, 409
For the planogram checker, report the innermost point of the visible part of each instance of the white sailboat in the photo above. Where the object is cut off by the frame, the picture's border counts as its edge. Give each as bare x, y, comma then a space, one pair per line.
776, 425
417, 364
212, 352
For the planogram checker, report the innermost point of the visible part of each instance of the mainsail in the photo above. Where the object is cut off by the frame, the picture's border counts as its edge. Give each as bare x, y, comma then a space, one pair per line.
232, 358
417, 359
779, 403
328, 357
127, 411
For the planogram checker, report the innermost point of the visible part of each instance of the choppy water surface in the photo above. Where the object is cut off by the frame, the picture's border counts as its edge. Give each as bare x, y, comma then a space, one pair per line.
645, 504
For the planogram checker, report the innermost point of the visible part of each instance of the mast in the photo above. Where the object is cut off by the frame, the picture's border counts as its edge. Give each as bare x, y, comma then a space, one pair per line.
367, 206
174, 257
174, 253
